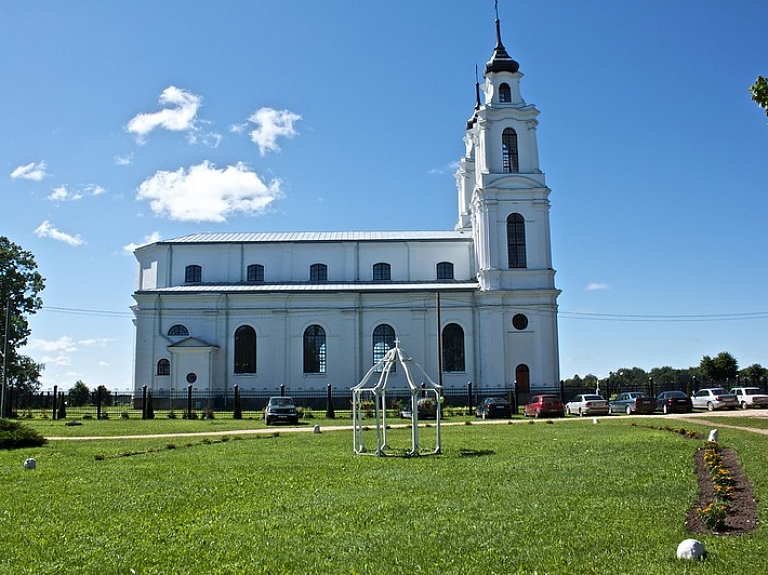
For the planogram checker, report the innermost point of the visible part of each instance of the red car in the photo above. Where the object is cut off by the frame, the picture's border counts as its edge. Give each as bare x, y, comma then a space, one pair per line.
546, 404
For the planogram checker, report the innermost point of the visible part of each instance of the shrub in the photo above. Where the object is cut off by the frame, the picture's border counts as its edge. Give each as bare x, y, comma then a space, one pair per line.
171, 415
125, 415
73, 423
14, 435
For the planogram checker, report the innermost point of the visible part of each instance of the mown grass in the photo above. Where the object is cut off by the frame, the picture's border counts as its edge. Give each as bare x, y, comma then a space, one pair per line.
565, 498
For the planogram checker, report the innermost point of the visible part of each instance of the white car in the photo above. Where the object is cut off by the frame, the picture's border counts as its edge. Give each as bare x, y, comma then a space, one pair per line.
713, 398
587, 404
750, 397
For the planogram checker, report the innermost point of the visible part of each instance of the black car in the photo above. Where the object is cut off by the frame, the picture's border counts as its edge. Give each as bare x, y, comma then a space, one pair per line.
494, 407
281, 408
674, 402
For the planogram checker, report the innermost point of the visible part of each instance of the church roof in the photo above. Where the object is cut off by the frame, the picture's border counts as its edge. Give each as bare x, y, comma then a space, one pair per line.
500, 61
274, 237
321, 287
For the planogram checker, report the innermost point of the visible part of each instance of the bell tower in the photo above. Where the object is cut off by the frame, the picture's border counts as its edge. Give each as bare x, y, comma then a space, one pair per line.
502, 195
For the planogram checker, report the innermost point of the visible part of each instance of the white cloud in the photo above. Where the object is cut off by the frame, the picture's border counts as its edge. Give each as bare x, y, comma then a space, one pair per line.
594, 286
447, 169
270, 124
179, 116
205, 193
125, 160
48, 230
62, 345
62, 194
96, 342
31, 171
128, 249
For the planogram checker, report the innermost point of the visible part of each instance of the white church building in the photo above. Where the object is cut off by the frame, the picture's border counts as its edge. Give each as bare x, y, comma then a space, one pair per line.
303, 310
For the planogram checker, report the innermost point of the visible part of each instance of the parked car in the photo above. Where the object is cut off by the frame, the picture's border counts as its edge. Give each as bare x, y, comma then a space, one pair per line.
712, 398
630, 402
426, 408
674, 402
587, 404
280, 408
494, 407
750, 397
545, 404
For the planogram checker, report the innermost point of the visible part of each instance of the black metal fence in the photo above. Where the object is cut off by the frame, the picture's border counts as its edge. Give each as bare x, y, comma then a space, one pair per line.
195, 403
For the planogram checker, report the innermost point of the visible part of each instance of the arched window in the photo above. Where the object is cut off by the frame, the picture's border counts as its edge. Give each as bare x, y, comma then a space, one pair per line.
516, 241
505, 94
245, 349
445, 271
382, 272
509, 151
453, 348
318, 273
314, 349
193, 274
163, 367
383, 341
177, 329
255, 273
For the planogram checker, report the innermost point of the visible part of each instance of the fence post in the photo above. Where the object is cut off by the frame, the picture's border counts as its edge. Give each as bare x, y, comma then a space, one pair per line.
469, 398
189, 401
329, 412
98, 401
143, 401
238, 411
55, 399
282, 390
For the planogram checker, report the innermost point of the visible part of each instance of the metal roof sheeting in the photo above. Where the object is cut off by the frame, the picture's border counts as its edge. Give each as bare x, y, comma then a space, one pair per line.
265, 237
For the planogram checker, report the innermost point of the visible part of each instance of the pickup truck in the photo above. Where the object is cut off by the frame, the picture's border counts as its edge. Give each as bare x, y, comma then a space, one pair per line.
750, 397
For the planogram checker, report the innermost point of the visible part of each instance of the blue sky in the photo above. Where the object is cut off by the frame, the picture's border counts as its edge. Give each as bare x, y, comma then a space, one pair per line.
119, 119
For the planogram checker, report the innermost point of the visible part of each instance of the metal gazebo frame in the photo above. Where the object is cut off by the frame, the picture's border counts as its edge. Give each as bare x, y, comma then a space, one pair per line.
377, 387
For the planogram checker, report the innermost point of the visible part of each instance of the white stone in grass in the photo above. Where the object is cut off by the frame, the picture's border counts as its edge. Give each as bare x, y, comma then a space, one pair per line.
316, 429
691, 549
713, 436
594, 420
30, 463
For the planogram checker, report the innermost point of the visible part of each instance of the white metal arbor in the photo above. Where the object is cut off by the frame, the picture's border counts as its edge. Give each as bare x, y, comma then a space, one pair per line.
377, 388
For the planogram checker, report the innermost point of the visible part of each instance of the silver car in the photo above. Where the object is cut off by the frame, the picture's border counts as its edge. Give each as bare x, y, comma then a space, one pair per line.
587, 404
713, 398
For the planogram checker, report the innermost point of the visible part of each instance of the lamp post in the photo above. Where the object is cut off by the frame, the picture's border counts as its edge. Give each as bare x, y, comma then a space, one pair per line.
6, 337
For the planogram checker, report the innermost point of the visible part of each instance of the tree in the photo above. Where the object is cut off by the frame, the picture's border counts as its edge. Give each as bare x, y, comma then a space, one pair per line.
760, 92
754, 373
79, 394
25, 378
721, 368
20, 285
106, 396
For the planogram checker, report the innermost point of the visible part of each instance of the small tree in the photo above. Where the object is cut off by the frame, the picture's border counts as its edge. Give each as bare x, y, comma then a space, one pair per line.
721, 368
79, 394
150, 407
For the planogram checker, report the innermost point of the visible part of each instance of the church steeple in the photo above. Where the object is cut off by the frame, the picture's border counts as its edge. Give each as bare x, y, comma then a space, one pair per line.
500, 61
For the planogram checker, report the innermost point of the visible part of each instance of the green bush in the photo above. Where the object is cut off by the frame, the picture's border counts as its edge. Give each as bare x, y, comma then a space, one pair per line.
14, 435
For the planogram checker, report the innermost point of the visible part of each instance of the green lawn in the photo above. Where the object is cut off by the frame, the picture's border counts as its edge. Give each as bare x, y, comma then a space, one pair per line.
571, 497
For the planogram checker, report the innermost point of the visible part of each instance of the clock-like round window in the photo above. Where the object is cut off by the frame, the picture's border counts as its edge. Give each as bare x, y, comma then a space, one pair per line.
191, 377
520, 321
